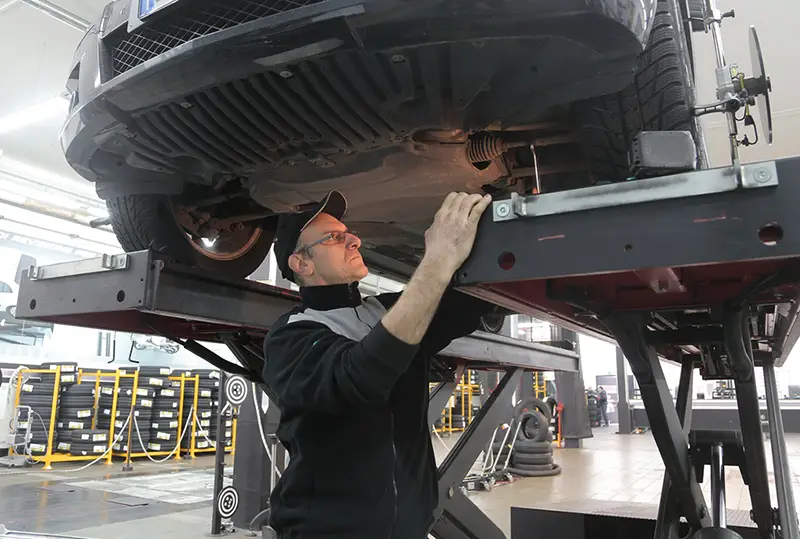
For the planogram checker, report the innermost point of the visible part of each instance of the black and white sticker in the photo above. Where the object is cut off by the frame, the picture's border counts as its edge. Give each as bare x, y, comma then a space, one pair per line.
227, 502
236, 390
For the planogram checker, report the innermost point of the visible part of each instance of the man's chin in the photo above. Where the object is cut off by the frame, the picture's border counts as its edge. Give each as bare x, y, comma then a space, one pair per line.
361, 271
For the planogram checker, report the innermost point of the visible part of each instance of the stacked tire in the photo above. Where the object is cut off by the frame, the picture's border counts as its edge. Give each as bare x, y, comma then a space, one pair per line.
87, 442
532, 454
142, 412
206, 409
164, 431
76, 411
594, 411
36, 392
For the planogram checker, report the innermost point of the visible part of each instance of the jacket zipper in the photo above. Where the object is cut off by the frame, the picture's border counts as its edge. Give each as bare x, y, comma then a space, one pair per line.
394, 478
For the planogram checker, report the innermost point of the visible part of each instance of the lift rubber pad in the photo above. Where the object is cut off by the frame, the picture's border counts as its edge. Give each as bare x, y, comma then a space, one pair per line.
607, 256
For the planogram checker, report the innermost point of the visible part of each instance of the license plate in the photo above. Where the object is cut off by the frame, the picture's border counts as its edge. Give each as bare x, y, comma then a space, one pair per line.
147, 7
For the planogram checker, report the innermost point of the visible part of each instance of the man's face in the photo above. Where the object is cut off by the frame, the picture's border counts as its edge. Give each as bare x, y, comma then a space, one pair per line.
330, 262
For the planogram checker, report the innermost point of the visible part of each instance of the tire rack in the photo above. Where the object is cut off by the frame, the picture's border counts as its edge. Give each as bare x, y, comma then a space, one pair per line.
465, 389
193, 450
50, 457
183, 379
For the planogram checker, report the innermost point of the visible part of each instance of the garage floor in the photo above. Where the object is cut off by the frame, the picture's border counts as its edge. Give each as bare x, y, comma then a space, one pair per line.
160, 501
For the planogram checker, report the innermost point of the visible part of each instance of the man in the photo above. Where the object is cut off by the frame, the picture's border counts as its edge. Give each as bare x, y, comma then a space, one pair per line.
602, 404
351, 376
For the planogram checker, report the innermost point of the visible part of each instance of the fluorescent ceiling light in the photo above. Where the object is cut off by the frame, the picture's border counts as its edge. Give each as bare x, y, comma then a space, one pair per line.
14, 198
52, 108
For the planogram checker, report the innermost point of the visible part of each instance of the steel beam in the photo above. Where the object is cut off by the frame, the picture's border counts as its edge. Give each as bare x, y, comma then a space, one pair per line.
455, 514
740, 358
668, 521
623, 409
672, 442
787, 510
152, 295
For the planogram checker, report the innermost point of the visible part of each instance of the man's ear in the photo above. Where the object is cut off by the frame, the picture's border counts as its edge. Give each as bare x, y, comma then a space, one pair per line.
300, 266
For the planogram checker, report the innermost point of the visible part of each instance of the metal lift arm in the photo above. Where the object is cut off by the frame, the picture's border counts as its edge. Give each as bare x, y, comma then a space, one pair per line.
702, 268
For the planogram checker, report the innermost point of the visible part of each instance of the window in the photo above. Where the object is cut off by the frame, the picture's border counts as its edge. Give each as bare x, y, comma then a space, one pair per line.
4, 288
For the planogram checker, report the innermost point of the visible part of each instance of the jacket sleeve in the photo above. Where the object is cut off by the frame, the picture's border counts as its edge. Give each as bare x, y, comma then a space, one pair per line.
310, 367
458, 315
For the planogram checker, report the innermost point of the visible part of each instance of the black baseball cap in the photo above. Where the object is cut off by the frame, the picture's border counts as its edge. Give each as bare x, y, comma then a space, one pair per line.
290, 225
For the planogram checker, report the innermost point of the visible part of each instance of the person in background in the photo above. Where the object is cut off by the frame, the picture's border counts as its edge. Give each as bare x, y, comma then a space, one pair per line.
602, 404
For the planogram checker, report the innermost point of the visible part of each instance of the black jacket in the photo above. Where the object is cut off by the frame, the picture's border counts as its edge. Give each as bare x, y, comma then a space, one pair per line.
354, 406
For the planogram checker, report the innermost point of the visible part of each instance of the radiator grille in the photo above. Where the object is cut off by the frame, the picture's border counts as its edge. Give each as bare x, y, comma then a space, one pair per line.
185, 24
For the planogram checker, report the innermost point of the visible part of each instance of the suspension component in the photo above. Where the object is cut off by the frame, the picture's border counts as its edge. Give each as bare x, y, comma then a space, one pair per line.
485, 148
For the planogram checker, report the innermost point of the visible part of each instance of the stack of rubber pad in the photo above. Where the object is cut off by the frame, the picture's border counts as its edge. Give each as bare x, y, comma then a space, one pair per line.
164, 432
207, 400
532, 454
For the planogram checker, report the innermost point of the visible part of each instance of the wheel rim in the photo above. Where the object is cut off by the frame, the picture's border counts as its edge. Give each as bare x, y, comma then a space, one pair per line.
228, 245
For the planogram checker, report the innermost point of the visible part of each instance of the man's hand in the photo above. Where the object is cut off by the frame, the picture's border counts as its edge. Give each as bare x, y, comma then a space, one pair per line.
449, 240
448, 243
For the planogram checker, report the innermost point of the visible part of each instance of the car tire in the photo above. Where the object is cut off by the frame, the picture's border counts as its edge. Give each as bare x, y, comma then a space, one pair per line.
534, 426
536, 471
532, 403
531, 447
660, 98
520, 460
493, 323
148, 222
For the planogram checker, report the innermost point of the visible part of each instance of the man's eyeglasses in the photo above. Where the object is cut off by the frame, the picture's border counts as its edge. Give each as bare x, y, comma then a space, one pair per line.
331, 238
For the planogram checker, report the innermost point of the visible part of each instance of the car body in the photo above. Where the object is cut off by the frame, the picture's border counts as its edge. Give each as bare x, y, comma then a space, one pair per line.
213, 112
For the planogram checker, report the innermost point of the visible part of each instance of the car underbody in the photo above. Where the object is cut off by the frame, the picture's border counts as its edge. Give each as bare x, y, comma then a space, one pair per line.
223, 117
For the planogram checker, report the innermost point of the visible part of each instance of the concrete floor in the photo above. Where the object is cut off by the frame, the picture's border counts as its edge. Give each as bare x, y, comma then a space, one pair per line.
610, 470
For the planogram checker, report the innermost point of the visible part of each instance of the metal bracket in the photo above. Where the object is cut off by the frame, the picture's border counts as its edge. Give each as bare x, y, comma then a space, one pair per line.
682, 185
79, 267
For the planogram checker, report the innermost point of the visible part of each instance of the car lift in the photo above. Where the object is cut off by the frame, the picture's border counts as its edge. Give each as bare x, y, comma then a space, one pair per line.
700, 266
145, 293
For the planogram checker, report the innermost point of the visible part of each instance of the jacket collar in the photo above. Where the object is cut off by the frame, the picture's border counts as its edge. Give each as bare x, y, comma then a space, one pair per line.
325, 298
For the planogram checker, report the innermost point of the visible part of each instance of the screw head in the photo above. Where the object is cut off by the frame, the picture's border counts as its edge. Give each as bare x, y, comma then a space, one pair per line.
286, 74
398, 58
762, 175
503, 210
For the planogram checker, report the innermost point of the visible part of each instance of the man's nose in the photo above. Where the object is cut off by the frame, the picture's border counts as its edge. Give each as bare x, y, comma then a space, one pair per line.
353, 241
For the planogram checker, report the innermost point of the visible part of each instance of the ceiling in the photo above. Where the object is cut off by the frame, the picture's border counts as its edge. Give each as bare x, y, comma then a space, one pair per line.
36, 52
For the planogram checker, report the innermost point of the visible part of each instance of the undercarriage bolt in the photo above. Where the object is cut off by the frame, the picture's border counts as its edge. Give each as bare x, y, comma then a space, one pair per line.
503, 210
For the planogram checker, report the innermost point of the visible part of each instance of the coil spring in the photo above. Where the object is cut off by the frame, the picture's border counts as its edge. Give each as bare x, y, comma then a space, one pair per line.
485, 148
